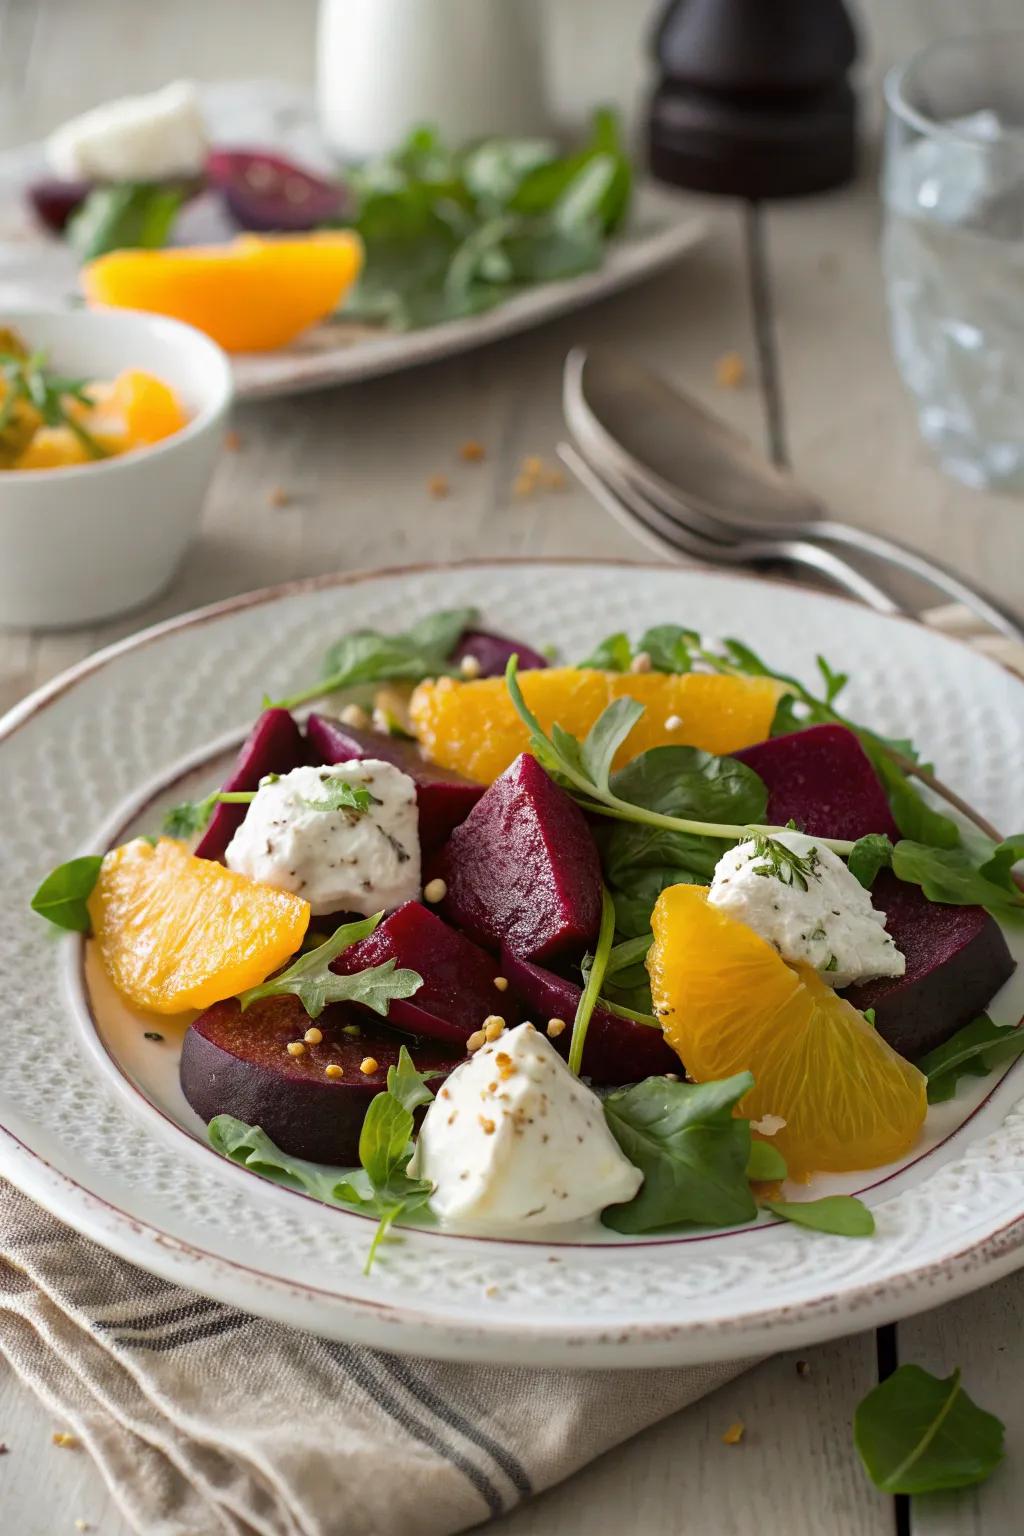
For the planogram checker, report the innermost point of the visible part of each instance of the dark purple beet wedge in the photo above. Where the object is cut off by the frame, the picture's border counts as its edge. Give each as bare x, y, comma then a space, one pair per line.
274, 745
235, 1063
458, 991
522, 870
823, 780
617, 1050
55, 200
444, 797
956, 959
956, 956
266, 192
491, 652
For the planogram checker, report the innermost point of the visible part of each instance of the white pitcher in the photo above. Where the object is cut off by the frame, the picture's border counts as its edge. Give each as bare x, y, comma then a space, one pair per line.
468, 67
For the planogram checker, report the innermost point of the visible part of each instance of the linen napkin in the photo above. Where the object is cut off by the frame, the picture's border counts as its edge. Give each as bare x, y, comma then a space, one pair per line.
205, 1421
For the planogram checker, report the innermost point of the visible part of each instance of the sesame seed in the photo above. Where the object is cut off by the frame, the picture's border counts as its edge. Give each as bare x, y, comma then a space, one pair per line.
65, 1441
232, 441
493, 1026
313, 1036
641, 662
368, 1065
476, 1040
734, 1434
533, 466
730, 371
472, 451
524, 485
333, 1070
501, 982
278, 496
556, 1027
469, 666
438, 486
674, 723
355, 715
487, 1126
296, 1048
435, 891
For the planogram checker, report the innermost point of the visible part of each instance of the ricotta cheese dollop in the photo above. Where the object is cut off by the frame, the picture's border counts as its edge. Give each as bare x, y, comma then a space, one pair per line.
340, 860
137, 138
802, 898
513, 1139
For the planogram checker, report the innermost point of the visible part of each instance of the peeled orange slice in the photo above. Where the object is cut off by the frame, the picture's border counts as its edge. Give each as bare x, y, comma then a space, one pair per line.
254, 294
729, 1003
473, 726
177, 932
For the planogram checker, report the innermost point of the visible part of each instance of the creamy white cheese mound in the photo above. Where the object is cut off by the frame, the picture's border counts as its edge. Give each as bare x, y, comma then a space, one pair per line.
809, 907
514, 1140
339, 860
138, 138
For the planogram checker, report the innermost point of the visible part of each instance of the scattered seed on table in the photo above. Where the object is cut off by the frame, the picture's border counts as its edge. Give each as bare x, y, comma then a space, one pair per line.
730, 371
278, 496
438, 486
734, 1434
472, 451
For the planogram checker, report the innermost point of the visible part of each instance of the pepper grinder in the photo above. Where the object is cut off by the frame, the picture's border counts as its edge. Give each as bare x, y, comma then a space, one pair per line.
754, 98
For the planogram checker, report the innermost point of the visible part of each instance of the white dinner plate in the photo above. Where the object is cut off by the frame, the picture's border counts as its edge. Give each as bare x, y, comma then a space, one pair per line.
93, 1125
36, 269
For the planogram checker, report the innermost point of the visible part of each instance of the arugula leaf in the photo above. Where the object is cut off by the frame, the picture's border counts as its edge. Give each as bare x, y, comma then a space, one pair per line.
999, 867
381, 1187
766, 1163
340, 796
916, 819
604, 739
975, 1051
670, 647
842, 1215
193, 816
125, 214
311, 980
592, 986
950, 875
917, 1433
367, 656
691, 1149
870, 854
613, 654
63, 896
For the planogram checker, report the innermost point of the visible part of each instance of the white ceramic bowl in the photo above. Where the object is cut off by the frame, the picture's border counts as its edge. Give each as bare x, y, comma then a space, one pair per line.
82, 543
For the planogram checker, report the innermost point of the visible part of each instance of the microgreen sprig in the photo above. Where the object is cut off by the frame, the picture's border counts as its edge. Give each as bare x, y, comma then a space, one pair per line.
311, 980
193, 816
27, 380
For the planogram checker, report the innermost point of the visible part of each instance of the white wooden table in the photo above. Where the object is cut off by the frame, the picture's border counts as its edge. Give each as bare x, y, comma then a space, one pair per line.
355, 467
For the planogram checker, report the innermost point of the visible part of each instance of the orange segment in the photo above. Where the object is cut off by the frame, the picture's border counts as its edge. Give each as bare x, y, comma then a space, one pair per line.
473, 726
148, 408
177, 932
729, 1003
251, 295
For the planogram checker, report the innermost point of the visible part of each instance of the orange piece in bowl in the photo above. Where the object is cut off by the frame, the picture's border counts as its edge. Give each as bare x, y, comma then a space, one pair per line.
473, 727
254, 294
729, 1003
177, 932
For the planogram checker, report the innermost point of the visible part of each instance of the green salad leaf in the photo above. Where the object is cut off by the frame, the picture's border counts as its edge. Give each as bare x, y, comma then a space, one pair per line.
64, 895
917, 1433
311, 980
842, 1215
124, 214
693, 1153
193, 816
592, 984
368, 656
380, 1187
974, 1051
766, 1163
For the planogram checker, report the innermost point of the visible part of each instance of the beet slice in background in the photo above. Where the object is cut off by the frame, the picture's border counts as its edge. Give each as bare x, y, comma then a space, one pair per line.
957, 957
616, 1050
458, 990
54, 200
444, 797
523, 870
267, 192
274, 745
492, 652
823, 780
235, 1063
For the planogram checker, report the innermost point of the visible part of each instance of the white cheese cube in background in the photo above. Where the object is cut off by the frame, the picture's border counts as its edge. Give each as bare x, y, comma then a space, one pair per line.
513, 1139
339, 860
814, 912
138, 138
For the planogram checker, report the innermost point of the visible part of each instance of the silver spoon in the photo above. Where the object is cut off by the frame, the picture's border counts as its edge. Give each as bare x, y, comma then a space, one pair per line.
670, 540
700, 472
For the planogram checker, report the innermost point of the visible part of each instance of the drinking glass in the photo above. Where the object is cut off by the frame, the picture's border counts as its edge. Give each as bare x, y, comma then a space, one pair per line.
953, 247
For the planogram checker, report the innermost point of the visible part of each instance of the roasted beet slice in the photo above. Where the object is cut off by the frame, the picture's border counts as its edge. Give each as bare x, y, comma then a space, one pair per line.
492, 652
522, 869
956, 959
444, 797
55, 200
274, 745
617, 1050
823, 780
267, 192
235, 1063
956, 956
458, 990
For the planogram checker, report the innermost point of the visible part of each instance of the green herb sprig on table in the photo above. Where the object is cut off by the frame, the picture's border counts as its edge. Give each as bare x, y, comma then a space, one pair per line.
917, 1433
380, 1187
29, 382
311, 980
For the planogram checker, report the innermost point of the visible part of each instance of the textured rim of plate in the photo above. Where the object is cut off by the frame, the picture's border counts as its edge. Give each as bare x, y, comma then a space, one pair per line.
405, 1327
